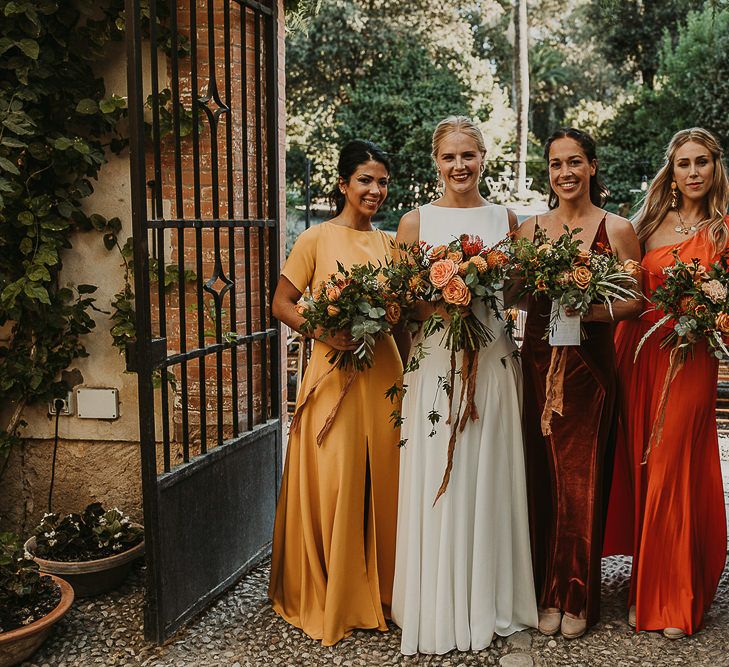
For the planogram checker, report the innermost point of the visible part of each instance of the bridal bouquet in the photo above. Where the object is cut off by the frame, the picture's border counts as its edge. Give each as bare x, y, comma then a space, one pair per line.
571, 277
695, 303
574, 278
452, 278
356, 299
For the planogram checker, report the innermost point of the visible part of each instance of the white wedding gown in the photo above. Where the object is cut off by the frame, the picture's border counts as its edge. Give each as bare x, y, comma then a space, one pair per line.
463, 567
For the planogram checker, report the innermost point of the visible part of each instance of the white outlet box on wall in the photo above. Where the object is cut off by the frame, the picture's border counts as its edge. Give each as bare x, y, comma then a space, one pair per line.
97, 403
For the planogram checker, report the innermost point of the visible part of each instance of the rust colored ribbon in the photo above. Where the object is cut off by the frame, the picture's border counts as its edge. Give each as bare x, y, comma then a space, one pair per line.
676, 361
468, 391
296, 419
554, 401
330, 419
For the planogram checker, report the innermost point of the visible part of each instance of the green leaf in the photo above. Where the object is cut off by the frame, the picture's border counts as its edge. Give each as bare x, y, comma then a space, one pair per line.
26, 246
12, 142
26, 218
29, 47
39, 273
87, 106
62, 143
5, 44
7, 165
64, 208
37, 292
109, 241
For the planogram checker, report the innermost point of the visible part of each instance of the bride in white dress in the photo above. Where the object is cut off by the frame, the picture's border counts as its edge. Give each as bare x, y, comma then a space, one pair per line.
463, 567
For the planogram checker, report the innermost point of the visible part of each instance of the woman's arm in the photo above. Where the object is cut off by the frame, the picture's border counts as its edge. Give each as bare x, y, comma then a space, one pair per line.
284, 309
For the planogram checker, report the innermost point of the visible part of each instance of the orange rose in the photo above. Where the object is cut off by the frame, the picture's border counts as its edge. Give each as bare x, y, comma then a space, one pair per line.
300, 308
437, 252
463, 267
722, 323
392, 312
456, 292
455, 256
442, 271
701, 310
541, 285
333, 310
496, 258
582, 276
632, 267
333, 293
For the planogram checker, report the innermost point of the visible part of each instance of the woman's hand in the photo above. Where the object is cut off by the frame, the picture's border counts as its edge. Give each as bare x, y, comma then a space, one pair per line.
339, 340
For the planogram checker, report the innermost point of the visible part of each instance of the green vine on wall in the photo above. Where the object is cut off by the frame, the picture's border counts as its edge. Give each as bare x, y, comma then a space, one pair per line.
56, 125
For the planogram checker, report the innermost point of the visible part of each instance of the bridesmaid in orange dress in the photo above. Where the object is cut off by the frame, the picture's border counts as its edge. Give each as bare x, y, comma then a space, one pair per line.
333, 555
566, 468
669, 512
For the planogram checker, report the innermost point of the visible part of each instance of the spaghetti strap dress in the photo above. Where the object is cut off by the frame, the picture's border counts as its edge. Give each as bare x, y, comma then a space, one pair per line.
334, 533
566, 471
668, 514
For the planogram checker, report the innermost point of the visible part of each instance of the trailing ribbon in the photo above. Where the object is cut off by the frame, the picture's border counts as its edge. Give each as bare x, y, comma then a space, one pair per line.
675, 364
554, 400
296, 419
330, 419
468, 391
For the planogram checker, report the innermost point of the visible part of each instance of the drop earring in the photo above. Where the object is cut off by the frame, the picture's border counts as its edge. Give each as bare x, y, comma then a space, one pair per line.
674, 195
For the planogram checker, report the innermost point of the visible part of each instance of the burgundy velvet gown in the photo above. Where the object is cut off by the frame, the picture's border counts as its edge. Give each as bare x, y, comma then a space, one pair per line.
568, 471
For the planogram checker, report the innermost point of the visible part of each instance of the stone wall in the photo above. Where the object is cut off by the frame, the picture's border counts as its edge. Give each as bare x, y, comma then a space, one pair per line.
97, 460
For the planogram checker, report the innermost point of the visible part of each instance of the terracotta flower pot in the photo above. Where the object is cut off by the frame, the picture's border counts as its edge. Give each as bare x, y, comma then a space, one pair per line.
17, 645
91, 577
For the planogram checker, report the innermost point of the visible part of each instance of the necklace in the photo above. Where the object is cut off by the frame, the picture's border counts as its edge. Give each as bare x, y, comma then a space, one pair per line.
682, 227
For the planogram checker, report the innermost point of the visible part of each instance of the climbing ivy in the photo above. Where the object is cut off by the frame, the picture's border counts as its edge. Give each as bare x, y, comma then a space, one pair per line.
57, 124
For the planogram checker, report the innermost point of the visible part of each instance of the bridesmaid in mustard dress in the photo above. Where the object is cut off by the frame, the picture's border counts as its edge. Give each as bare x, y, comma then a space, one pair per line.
334, 534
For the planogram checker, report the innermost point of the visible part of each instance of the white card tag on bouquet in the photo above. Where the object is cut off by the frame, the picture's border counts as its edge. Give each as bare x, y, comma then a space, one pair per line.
565, 329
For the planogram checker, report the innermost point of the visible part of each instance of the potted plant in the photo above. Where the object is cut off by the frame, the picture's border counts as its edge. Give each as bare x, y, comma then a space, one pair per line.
93, 551
29, 603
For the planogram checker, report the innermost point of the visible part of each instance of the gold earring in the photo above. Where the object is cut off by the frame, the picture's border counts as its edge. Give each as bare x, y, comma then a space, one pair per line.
674, 195
440, 184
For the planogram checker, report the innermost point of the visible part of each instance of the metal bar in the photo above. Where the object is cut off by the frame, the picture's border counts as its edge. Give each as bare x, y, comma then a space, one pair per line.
274, 260
180, 212
259, 207
153, 609
246, 214
156, 138
161, 297
207, 223
197, 213
231, 212
256, 6
197, 353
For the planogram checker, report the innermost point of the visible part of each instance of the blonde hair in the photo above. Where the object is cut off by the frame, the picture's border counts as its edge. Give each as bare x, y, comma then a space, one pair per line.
657, 201
457, 124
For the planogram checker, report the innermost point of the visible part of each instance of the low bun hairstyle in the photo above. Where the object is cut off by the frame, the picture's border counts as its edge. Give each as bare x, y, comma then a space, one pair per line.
598, 191
354, 154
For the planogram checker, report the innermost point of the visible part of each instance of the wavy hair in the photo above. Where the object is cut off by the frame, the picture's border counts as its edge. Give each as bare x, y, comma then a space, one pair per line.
598, 191
657, 201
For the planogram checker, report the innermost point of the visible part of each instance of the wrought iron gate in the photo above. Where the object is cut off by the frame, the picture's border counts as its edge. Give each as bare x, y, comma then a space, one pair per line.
203, 93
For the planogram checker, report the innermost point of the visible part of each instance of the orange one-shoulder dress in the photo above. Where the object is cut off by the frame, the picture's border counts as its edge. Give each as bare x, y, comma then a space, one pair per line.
669, 512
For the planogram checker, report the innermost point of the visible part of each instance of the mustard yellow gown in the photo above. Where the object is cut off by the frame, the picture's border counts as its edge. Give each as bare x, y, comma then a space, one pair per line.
334, 535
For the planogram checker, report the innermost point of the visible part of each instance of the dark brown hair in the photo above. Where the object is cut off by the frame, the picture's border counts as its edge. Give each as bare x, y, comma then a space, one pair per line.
598, 191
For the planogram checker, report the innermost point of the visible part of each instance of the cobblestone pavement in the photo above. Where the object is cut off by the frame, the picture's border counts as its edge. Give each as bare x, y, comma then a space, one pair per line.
240, 629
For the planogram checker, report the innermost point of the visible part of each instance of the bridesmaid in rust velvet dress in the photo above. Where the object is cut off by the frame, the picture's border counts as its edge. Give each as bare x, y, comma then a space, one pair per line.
566, 469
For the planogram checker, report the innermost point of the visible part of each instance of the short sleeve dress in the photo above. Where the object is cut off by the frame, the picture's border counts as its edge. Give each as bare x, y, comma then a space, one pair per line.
334, 533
